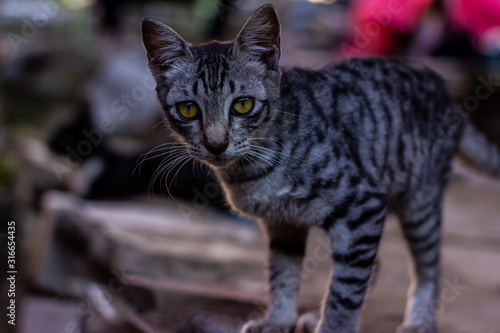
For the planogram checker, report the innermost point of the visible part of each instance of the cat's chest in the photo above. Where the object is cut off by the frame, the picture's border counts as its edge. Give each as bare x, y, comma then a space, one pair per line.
275, 201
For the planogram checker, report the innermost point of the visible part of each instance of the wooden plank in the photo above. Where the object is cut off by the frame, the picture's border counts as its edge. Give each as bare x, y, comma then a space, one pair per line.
213, 258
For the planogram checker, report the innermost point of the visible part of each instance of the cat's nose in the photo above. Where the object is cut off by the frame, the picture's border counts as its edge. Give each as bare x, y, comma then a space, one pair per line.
216, 148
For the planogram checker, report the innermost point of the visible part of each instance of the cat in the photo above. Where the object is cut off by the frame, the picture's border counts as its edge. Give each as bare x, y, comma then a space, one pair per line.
333, 148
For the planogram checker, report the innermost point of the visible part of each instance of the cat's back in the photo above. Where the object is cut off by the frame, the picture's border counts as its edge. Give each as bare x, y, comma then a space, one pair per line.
400, 88
377, 111
390, 109
402, 95
398, 80
388, 70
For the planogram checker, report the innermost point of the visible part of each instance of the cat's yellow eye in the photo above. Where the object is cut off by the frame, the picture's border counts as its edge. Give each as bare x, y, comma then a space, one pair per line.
188, 110
242, 105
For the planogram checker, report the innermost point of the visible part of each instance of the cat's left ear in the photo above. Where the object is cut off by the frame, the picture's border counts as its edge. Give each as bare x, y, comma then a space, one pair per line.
260, 37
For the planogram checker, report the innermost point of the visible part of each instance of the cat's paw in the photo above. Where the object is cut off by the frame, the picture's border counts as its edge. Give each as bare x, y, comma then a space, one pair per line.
415, 329
308, 322
261, 326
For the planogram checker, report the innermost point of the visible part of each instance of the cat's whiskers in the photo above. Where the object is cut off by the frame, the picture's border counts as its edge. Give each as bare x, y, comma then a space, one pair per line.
266, 150
196, 166
288, 113
262, 153
270, 140
280, 145
280, 150
185, 159
165, 171
255, 158
284, 165
162, 147
163, 121
251, 160
176, 173
168, 164
139, 164
164, 164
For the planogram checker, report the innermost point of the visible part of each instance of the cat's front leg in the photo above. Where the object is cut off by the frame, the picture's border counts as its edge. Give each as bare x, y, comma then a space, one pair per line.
355, 239
286, 251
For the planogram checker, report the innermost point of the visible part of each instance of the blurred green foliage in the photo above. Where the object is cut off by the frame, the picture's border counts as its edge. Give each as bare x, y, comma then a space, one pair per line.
7, 172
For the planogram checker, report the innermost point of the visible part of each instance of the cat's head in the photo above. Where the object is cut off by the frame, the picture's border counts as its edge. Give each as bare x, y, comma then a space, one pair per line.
217, 97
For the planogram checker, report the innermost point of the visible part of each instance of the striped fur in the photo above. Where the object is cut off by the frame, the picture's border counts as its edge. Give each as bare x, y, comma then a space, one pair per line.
334, 148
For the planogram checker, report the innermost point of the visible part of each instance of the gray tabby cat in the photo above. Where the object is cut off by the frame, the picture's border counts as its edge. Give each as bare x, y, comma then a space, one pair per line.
334, 148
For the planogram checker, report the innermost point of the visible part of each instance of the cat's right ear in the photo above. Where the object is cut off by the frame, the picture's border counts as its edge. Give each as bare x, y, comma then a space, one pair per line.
163, 45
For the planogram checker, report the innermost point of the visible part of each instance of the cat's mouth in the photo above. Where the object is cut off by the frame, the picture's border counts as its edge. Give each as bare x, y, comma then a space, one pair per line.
219, 162
222, 160
216, 160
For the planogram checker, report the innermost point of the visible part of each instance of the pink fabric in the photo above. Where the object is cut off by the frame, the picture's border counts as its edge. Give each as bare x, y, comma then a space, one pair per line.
404, 15
475, 16
387, 17
382, 20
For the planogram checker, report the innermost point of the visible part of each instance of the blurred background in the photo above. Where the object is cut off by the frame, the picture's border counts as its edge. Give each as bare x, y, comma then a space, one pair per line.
113, 236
